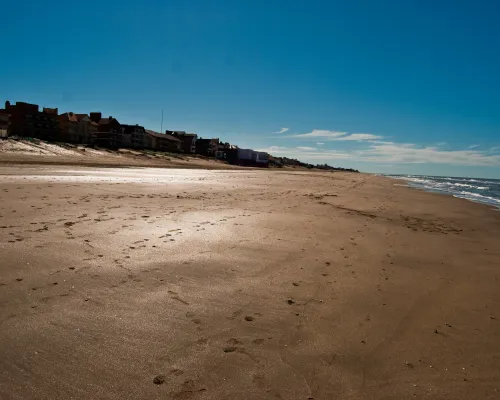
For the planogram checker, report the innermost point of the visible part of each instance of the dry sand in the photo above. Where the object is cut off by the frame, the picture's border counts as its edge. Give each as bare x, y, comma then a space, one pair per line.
196, 284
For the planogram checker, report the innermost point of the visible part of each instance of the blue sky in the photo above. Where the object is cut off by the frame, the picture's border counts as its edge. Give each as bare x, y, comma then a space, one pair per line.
383, 86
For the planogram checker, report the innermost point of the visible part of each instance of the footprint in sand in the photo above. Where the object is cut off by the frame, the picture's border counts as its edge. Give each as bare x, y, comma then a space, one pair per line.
235, 314
175, 296
176, 372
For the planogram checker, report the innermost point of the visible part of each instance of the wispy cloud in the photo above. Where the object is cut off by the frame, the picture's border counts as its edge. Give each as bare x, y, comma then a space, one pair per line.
359, 137
413, 154
306, 148
319, 133
378, 149
390, 152
335, 135
305, 153
282, 130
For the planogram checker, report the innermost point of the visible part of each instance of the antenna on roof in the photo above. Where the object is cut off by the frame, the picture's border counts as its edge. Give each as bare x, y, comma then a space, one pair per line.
161, 128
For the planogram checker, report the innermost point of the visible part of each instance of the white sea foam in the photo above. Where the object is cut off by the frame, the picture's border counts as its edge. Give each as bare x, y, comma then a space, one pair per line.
478, 197
466, 188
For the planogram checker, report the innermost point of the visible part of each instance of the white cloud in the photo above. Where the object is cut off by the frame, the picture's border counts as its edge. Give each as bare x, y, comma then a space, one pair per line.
282, 130
306, 148
305, 153
373, 148
413, 154
390, 152
335, 135
274, 149
320, 133
359, 137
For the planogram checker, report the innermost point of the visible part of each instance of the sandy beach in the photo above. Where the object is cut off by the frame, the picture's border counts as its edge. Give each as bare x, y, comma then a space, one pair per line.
145, 283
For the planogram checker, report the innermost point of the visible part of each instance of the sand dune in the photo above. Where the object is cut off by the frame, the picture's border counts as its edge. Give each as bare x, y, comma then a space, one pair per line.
25, 152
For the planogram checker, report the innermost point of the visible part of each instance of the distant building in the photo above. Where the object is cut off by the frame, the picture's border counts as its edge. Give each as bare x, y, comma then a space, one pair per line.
246, 157
260, 159
4, 123
164, 142
68, 124
230, 155
86, 129
207, 147
222, 149
50, 111
188, 140
126, 137
135, 136
109, 133
27, 121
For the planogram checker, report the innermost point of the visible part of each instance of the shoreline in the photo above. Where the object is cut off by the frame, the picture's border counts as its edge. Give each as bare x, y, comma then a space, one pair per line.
471, 197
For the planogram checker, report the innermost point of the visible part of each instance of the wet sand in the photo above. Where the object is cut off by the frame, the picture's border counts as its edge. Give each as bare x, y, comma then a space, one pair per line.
197, 284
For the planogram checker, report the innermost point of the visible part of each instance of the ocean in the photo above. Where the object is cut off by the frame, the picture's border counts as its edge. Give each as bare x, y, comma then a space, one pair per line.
485, 191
